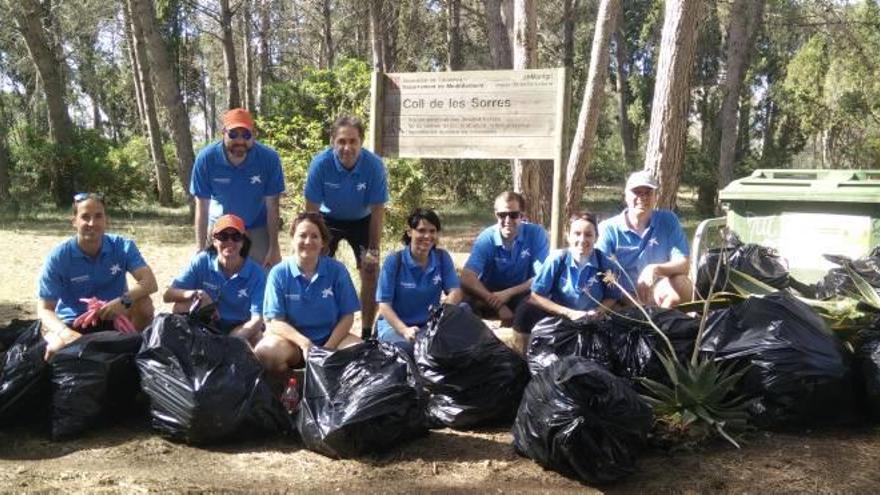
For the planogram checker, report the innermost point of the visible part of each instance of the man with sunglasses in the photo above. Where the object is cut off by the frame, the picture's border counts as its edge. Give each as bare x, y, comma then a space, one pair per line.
92, 264
239, 176
649, 244
505, 257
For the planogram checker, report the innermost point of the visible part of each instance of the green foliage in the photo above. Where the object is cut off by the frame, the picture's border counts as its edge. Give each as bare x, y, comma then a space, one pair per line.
471, 182
121, 174
30, 149
297, 140
406, 183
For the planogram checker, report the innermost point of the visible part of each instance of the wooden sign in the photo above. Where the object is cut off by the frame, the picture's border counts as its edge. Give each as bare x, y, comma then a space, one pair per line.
469, 114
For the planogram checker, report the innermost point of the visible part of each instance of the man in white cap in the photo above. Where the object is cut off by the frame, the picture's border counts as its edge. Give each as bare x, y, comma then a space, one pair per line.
649, 244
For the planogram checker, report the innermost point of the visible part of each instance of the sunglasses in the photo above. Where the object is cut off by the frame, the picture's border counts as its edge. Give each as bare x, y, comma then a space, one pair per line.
80, 197
513, 215
229, 236
235, 134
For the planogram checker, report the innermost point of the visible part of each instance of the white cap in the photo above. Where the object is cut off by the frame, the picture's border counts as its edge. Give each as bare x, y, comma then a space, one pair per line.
642, 178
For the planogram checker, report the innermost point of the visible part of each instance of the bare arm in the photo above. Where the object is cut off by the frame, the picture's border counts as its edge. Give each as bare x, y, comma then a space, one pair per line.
554, 308
286, 331
273, 216
387, 312
145, 284
56, 333
454, 296
471, 282
509, 292
201, 221
342, 328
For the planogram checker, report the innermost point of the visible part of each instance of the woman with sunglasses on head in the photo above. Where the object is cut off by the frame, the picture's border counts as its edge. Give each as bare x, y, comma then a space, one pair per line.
570, 283
310, 300
412, 280
93, 264
223, 274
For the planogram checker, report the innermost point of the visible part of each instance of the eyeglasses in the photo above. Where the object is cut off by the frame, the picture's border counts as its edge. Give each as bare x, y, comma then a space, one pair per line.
513, 215
80, 197
235, 134
229, 236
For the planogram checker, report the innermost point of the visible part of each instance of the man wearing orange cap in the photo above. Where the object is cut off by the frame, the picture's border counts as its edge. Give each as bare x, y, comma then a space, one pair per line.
240, 176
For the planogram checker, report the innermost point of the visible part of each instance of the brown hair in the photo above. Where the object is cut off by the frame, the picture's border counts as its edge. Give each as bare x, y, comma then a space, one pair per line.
347, 121
80, 197
508, 196
318, 220
584, 215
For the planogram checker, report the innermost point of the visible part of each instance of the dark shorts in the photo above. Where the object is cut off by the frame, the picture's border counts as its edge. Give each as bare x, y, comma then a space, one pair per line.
355, 232
527, 316
483, 310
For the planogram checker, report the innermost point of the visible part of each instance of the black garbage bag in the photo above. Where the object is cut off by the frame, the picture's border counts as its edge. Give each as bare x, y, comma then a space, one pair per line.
799, 374
554, 338
364, 398
760, 262
93, 379
471, 376
205, 387
579, 419
635, 344
24, 378
868, 365
838, 282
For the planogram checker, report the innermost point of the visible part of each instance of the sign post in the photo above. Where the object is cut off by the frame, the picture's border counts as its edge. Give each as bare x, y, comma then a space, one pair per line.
475, 114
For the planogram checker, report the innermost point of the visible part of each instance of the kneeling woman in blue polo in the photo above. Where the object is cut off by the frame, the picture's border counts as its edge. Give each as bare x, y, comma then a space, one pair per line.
412, 281
310, 300
570, 283
223, 274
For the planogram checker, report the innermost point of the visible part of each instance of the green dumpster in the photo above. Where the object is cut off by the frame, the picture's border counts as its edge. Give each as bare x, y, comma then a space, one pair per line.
806, 213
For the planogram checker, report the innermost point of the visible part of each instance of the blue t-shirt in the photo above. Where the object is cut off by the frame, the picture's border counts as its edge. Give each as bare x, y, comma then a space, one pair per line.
315, 306
662, 241
499, 267
346, 194
581, 288
410, 289
69, 274
239, 190
237, 297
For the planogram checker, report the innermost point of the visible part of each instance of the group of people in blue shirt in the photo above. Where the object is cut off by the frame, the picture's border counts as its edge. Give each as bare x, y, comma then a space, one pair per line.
308, 299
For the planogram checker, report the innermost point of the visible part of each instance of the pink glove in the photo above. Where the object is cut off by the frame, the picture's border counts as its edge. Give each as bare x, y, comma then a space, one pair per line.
123, 325
90, 318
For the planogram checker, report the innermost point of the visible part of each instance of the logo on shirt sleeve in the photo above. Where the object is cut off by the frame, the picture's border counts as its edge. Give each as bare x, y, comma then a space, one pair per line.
115, 269
328, 292
653, 242
437, 279
525, 253
255, 179
242, 293
361, 186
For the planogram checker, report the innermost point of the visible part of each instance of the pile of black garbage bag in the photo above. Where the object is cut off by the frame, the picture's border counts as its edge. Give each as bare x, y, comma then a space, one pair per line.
361, 399
838, 281
760, 262
85, 384
471, 377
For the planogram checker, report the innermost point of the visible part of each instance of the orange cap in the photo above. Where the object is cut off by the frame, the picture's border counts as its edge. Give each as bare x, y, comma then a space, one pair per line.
228, 222
238, 117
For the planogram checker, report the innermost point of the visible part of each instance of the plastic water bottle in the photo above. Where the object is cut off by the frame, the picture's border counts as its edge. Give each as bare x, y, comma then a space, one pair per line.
290, 397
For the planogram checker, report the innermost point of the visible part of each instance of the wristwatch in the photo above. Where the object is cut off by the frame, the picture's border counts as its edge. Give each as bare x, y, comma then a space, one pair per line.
126, 301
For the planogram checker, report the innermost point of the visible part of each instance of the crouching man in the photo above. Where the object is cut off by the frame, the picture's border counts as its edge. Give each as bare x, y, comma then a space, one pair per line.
92, 265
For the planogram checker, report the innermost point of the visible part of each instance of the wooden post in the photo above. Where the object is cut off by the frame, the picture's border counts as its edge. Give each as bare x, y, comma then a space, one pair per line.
557, 205
377, 101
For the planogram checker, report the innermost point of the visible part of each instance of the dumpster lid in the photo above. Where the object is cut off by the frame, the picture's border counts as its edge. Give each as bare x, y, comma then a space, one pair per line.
806, 185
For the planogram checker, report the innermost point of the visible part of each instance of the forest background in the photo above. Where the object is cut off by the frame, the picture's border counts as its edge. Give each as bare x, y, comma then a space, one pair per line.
118, 96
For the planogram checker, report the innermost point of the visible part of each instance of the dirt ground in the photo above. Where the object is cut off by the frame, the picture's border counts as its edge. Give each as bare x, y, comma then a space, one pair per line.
129, 458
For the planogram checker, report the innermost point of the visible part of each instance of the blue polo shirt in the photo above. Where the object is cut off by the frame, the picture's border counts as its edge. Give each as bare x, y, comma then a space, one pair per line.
410, 289
346, 194
238, 297
499, 267
69, 274
240, 190
662, 241
315, 306
581, 288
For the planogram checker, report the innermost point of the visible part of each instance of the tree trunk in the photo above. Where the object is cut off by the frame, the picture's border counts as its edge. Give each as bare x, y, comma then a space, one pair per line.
390, 15
499, 41
233, 97
667, 136
628, 137
247, 21
166, 86
743, 141
453, 35
329, 50
569, 7
377, 35
28, 15
745, 16
135, 70
588, 120
5, 184
265, 77
532, 178
154, 133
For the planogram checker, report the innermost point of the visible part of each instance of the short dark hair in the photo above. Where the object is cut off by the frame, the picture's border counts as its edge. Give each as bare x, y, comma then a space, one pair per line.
245, 248
584, 215
80, 197
417, 215
318, 220
508, 196
347, 121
